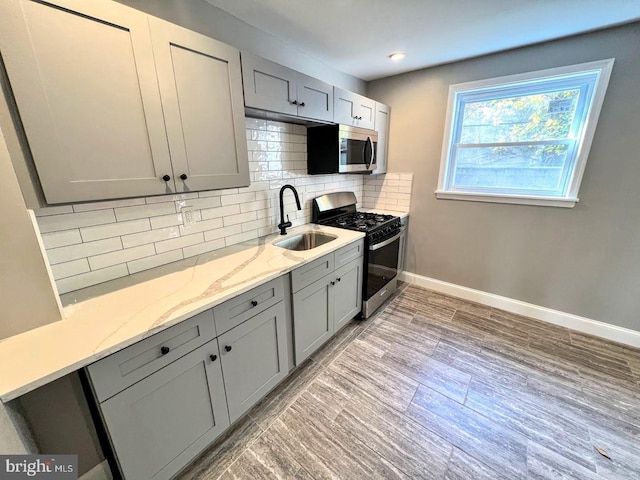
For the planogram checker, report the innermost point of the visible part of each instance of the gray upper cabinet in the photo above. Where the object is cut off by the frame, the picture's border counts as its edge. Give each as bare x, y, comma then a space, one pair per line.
84, 79
382, 127
159, 424
201, 90
273, 87
254, 358
87, 79
352, 109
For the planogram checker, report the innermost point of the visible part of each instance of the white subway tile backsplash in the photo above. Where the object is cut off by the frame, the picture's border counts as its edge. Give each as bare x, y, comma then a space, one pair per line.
201, 248
238, 198
66, 221
220, 212
222, 232
391, 191
151, 236
87, 207
201, 226
145, 211
179, 242
61, 239
200, 203
68, 269
121, 256
114, 229
120, 237
83, 250
243, 217
146, 263
43, 212
241, 237
83, 280
172, 198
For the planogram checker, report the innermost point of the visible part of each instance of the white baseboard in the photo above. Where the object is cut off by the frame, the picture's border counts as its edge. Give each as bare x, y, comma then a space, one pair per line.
568, 320
99, 472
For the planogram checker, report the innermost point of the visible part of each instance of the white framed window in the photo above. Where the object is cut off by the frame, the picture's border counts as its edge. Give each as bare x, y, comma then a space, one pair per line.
522, 138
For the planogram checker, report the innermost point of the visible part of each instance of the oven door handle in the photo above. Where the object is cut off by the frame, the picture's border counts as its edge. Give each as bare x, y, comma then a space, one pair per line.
385, 243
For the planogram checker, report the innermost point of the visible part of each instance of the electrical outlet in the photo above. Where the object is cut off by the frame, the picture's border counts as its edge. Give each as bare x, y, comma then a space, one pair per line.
188, 217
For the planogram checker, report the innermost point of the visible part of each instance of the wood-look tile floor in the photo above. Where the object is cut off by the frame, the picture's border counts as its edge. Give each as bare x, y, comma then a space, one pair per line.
439, 388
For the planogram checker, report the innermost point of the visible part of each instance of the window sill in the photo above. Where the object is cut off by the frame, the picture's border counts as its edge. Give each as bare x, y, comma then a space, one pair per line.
513, 199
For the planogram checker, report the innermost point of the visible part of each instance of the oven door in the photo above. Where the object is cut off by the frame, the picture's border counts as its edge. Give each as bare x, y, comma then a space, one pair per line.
382, 265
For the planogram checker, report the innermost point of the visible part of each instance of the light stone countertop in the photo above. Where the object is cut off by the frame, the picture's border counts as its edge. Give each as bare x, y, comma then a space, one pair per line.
101, 320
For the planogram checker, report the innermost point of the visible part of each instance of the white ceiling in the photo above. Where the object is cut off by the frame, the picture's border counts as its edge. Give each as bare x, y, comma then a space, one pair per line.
356, 36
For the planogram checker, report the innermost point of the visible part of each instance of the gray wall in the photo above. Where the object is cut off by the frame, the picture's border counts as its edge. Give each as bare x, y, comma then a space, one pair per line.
584, 260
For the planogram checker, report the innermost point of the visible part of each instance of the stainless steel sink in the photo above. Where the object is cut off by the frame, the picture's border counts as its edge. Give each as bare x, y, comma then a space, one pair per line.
305, 241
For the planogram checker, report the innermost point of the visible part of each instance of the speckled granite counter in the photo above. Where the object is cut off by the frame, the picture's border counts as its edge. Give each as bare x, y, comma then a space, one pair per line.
103, 319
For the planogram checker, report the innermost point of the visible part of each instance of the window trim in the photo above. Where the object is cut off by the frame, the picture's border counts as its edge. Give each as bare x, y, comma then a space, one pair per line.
603, 67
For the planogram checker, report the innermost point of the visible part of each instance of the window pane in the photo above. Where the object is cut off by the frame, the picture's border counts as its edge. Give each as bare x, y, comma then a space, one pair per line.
529, 167
543, 116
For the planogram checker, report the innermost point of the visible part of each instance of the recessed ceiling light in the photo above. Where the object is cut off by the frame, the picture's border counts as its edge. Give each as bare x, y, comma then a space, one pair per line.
397, 56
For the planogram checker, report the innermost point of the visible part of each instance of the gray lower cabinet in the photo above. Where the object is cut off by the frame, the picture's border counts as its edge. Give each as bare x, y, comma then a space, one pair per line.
159, 424
326, 305
254, 358
312, 317
347, 293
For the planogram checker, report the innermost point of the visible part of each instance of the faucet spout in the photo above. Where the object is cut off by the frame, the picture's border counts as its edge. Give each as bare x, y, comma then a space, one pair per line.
284, 225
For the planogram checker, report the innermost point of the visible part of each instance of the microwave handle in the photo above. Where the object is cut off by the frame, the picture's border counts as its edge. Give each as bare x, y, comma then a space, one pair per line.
373, 152
368, 161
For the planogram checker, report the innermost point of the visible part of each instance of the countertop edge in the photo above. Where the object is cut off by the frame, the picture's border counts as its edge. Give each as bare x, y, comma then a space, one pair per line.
11, 393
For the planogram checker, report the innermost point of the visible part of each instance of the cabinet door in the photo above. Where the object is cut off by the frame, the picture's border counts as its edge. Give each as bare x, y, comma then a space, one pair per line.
158, 425
312, 317
347, 293
352, 109
382, 127
269, 86
366, 111
201, 90
254, 359
84, 79
315, 99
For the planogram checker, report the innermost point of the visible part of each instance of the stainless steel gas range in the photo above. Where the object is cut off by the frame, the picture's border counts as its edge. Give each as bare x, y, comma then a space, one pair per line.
382, 242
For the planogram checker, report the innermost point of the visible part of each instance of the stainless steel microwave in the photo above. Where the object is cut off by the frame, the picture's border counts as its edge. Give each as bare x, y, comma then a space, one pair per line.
341, 149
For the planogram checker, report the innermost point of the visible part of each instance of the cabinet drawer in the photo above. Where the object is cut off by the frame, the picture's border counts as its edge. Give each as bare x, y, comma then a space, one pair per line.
312, 271
126, 367
241, 308
349, 253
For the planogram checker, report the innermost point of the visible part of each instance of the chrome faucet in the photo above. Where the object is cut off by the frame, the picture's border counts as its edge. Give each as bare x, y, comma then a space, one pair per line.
284, 225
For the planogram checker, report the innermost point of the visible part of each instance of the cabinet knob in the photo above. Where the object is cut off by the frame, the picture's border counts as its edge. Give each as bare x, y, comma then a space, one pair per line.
166, 178
183, 176
213, 357
359, 118
294, 102
165, 350
227, 348
302, 104
254, 303
338, 279
333, 283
